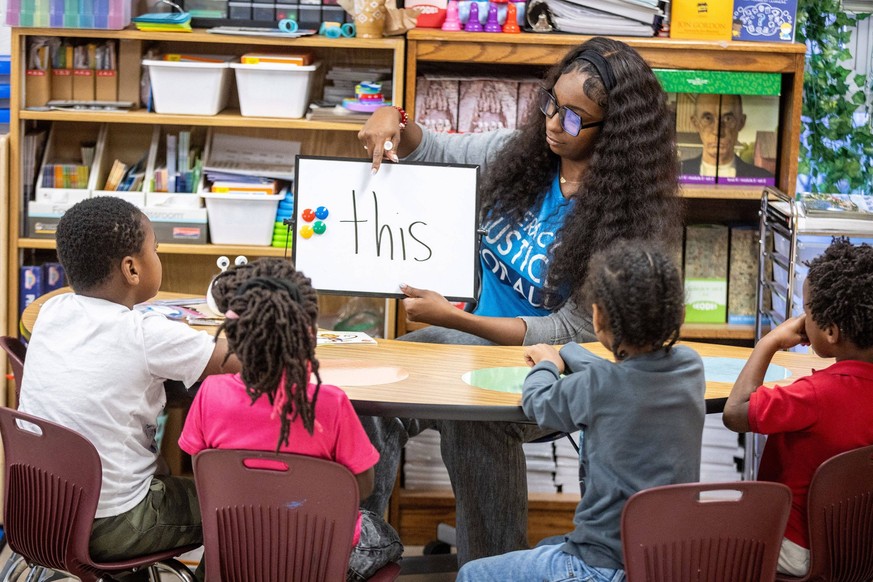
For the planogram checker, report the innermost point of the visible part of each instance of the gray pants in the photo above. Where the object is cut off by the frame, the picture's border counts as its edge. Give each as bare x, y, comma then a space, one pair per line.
485, 461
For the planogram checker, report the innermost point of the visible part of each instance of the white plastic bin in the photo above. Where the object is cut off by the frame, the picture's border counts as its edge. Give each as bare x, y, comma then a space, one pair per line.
274, 89
189, 87
242, 219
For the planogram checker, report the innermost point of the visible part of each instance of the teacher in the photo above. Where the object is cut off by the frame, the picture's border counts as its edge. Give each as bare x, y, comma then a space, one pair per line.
597, 162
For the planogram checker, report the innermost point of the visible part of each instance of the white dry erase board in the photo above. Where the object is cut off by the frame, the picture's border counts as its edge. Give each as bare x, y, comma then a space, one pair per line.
360, 234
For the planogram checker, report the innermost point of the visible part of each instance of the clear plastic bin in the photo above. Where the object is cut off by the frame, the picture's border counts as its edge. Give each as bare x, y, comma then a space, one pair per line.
101, 14
242, 219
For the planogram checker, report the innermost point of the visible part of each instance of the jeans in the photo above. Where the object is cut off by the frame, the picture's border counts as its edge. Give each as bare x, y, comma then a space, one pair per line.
378, 546
541, 564
485, 462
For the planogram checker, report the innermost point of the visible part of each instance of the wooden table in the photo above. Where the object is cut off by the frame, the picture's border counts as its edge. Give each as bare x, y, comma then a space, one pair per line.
394, 378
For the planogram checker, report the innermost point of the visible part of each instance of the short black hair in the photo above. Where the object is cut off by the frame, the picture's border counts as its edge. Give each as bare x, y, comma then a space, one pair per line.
841, 290
638, 286
94, 235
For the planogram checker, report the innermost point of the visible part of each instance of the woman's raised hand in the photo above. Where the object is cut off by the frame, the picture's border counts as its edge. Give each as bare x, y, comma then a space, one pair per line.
381, 135
426, 306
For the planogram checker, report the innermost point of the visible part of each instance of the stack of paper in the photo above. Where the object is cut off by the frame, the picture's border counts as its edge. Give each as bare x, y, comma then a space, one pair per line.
607, 17
717, 456
423, 468
567, 465
540, 459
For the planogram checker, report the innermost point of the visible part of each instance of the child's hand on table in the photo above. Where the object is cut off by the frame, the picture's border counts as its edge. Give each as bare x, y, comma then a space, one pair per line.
533, 355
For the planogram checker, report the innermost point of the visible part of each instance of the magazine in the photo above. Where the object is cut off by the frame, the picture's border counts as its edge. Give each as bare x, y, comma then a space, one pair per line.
832, 213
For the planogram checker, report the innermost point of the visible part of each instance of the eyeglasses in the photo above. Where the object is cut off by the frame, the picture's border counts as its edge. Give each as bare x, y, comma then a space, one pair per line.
728, 121
571, 122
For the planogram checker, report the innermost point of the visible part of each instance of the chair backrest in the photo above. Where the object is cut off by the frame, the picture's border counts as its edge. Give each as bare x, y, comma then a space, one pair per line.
291, 521
840, 514
53, 480
16, 351
717, 532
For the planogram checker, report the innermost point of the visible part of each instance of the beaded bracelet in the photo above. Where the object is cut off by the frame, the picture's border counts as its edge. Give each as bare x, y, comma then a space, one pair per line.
404, 118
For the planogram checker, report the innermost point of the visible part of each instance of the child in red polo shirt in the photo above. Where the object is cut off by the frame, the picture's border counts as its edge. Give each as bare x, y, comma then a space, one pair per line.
824, 414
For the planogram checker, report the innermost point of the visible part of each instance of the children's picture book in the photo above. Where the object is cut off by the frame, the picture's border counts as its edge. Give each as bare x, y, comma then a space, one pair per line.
333, 337
764, 20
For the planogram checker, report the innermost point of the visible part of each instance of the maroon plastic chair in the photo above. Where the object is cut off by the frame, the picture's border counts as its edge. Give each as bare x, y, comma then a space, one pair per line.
697, 532
277, 516
840, 517
16, 351
53, 481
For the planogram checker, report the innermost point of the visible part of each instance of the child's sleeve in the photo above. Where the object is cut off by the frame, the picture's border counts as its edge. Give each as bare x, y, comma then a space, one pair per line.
173, 350
353, 446
554, 402
192, 440
783, 408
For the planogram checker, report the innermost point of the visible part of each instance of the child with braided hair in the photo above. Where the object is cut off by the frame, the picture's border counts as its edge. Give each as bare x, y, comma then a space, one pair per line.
278, 402
822, 415
640, 417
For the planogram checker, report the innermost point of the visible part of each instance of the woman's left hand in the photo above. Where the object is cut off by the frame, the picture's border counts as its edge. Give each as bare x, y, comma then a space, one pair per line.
425, 306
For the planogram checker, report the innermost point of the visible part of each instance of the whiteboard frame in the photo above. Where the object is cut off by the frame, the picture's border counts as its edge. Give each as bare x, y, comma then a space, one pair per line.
476, 266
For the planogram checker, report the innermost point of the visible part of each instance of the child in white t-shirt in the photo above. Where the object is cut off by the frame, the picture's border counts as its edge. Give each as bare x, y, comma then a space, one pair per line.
96, 365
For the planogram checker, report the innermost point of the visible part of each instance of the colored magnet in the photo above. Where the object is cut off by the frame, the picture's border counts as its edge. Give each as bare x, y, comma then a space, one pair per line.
308, 215
319, 227
321, 212
306, 231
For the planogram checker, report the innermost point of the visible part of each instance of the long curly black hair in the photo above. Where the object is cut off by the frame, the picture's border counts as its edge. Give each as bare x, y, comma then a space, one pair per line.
841, 290
631, 186
272, 331
640, 290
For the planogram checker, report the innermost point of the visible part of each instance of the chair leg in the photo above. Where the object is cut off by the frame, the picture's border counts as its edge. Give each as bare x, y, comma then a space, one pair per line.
13, 568
41, 574
174, 567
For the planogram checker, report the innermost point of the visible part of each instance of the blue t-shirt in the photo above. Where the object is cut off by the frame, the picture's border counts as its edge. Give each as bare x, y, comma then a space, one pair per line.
515, 258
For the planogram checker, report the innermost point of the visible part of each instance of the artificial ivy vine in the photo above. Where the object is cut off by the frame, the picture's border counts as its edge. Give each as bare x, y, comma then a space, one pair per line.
836, 152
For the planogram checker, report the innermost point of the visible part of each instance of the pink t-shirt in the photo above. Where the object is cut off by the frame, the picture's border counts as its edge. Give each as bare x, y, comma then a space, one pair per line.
223, 417
808, 422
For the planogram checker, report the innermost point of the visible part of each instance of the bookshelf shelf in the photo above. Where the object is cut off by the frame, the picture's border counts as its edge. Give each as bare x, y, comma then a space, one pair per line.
178, 249
227, 118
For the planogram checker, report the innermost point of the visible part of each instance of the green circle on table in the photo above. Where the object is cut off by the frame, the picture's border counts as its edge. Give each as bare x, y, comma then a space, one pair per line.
508, 379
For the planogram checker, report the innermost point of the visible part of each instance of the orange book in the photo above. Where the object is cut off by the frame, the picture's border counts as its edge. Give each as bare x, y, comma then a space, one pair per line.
301, 59
701, 19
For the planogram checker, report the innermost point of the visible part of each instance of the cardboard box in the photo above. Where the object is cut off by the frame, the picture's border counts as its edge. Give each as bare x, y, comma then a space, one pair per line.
486, 105
43, 217
743, 282
764, 20
701, 19
178, 224
106, 85
62, 84
436, 103
83, 84
706, 273
37, 87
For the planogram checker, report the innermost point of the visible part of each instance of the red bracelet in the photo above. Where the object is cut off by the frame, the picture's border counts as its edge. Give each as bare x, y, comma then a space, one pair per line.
404, 118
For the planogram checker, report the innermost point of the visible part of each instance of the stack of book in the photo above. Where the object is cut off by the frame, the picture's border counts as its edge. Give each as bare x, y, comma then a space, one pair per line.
833, 212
